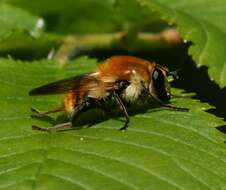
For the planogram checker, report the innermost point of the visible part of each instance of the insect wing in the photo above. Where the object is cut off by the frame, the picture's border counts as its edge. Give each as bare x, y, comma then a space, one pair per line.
77, 83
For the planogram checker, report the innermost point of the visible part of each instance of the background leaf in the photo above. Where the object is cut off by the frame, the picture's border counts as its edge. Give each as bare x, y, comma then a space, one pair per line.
198, 26
22, 30
202, 23
67, 18
161, 149
101, 16
16, 19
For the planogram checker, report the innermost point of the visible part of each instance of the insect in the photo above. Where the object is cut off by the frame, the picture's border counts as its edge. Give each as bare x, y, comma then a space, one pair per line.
123, 78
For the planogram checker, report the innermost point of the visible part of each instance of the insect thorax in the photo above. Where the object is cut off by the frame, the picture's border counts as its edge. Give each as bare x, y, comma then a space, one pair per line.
134, 90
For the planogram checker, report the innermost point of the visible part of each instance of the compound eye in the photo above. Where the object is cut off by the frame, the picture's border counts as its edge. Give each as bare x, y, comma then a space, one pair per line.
158, 75
155, 74
159, 85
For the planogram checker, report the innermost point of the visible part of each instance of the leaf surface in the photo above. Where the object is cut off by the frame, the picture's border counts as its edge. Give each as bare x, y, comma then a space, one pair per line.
162, 149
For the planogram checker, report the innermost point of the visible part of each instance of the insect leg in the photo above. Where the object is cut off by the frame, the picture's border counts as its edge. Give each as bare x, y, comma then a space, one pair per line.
92, 103
171, 107
174, 108
123, 108
55, 128
179, 96
43, 113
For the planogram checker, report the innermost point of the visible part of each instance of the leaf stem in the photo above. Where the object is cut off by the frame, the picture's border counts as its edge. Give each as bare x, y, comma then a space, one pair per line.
73, 45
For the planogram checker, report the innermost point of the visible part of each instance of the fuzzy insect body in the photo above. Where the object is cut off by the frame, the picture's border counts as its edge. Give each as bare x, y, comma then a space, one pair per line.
125, 78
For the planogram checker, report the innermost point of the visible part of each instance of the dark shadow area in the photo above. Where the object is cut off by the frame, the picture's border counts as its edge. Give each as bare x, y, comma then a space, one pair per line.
45, 118
222, 128
27, 53
94, 116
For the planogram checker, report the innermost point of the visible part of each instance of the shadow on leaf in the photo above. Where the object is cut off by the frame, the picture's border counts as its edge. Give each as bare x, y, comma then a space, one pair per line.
94, 116
222, 128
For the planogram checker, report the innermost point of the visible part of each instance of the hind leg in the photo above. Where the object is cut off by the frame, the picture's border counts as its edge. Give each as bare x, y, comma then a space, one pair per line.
44, 113
55, 128
83, 106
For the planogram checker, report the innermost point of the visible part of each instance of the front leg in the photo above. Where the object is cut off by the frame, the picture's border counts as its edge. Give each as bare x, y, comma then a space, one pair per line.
123, 108
162, 104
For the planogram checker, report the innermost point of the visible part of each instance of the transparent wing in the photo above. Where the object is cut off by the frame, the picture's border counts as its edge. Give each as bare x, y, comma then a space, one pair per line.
79, 83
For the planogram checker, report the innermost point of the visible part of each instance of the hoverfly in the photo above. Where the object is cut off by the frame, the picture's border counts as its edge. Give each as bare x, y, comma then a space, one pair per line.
124, 78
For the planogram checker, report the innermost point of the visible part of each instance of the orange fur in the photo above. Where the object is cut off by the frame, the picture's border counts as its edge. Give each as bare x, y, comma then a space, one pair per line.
70, 101
121, 68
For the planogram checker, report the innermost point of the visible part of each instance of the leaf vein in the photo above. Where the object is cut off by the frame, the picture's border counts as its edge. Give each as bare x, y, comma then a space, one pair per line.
98, 172
163, 179
81, 185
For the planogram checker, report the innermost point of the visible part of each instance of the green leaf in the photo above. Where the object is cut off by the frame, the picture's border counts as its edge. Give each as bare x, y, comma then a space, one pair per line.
63, 18
15, 19
203, 23
18, 25
101, 16
204, 26
162, 149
